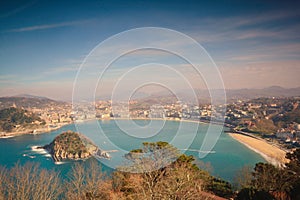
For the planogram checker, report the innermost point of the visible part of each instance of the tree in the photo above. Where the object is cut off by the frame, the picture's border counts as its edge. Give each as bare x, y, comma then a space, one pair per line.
271, 179
294, 167
86, 181
264, 126
9, 117
253, 194
152, 156
28, 182
268, 182
243, 178
3, 181
149, 166
159, 171
294, 163
220, 187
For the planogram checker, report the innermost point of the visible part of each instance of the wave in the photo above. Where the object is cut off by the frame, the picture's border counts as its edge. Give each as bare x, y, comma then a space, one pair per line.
9, 136
27, 155
60, 163
38, 150
196, 150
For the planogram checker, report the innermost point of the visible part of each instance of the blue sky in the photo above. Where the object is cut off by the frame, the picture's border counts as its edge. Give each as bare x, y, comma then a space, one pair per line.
255, 44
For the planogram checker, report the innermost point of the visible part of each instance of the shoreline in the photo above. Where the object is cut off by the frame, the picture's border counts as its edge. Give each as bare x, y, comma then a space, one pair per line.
37, 131
47, 130
270, 153
171, 119
158, 119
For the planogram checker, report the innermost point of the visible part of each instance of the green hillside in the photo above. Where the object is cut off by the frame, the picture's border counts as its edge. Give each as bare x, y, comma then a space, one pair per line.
10, 118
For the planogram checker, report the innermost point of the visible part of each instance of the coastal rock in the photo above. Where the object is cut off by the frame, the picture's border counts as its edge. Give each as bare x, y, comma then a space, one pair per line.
71, 145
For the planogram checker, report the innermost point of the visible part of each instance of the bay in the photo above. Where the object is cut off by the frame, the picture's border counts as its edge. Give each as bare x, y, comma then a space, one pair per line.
225, 158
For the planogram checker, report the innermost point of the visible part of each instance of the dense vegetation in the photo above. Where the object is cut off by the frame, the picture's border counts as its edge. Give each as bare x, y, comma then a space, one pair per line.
70, 145
11, 117
269, 182
70, 142
287, 118
271, 115
159, 171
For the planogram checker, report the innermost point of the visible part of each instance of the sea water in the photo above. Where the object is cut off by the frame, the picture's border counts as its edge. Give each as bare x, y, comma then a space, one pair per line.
120, 136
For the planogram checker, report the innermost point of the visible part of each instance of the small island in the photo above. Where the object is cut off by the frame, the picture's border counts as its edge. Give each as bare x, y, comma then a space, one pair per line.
73, 146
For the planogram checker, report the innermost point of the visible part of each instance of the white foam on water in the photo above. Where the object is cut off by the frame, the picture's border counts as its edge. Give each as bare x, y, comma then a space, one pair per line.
196, 150
38, 150
48, 155
59, 163
9, 136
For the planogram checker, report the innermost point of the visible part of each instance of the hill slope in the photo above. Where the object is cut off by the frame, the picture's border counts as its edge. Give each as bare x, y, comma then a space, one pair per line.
71, 145
12, 119
28, 102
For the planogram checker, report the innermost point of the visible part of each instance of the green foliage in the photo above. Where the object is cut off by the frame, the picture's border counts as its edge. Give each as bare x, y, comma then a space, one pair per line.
71, 145
294, 164
29, 102
10, 117
293, 116
187, 159
220, 187
264, 126
152, 156
7, 126
267, 178
287, 118
72, 142
294, 167
253, 194
270, 182
170, 175
136, 151
243, 178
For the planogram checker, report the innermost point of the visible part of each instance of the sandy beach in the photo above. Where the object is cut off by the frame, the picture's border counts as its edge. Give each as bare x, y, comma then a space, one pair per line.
270, 153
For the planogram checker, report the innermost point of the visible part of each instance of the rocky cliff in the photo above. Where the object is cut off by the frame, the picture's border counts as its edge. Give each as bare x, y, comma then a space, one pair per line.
71, 145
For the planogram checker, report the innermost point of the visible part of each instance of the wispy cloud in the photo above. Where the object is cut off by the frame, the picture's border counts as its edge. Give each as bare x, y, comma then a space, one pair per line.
245, 27
18, 9
58, 70
47, 26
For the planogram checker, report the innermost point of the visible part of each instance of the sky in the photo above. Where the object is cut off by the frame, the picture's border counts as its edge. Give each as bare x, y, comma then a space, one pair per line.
254, 44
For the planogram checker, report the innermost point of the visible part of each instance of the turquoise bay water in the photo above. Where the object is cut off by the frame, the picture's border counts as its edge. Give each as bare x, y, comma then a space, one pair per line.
226, 157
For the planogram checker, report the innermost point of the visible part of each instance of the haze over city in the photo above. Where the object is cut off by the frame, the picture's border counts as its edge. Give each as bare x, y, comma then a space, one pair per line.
255, 44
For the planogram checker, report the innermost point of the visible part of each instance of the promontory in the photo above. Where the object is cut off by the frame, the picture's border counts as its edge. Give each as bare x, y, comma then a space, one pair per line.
71, 146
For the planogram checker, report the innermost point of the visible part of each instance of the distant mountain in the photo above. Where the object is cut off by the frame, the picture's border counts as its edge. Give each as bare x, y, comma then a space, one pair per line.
231, 94
30, 96
273, 91
203, 96
122, 96
28, 101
